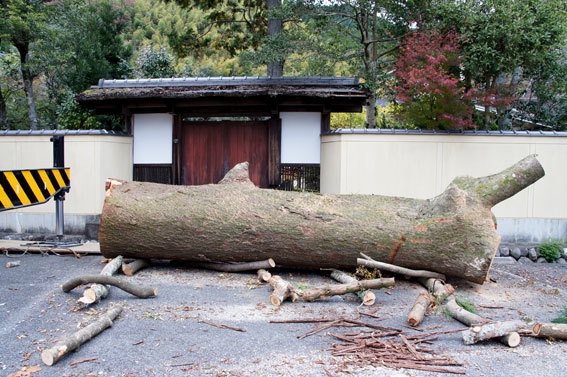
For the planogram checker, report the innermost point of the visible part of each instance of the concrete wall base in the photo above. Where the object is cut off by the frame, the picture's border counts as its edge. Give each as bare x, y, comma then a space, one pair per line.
531, 230
34, 223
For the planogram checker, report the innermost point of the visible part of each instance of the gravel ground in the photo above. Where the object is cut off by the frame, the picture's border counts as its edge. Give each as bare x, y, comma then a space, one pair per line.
153, 337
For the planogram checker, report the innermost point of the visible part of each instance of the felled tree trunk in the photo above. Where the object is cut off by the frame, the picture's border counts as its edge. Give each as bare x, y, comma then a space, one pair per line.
234, 221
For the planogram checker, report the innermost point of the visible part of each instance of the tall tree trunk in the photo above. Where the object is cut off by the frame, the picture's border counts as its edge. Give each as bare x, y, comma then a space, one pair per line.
4, 123
27, 77
371, 111
234, 221
275, 69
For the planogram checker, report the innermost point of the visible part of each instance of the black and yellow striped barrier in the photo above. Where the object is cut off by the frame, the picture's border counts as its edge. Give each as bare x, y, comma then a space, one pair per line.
22, 188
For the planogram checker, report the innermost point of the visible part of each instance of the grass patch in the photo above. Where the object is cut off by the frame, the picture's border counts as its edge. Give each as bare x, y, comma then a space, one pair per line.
466, 304
562, 316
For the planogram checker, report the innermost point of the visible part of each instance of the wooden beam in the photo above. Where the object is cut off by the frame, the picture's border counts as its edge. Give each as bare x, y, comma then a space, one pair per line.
274, 150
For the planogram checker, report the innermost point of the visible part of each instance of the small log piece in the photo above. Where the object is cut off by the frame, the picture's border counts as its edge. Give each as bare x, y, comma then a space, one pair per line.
65, 345
15, 263
417, 312
98, 291
492, 330
341, 289
131, 268
235, 267
369, 262
438, 288
263, 275
367, 297
141, 292
550, 330
283, 290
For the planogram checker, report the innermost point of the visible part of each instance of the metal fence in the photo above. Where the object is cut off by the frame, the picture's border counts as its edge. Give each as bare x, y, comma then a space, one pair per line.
300, 177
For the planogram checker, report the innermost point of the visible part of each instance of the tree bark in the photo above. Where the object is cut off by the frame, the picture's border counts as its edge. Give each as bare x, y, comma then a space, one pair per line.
65, 345
275, 26
141, 292
99, 291
129, 269
367, 297
492, 330
234, 221
371, 111
550, 330
4, 123
283, 290
417, 312
27, 77
235, 267
341, 289
369, 262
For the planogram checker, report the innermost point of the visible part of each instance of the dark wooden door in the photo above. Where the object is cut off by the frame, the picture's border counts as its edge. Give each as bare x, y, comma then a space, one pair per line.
211, 149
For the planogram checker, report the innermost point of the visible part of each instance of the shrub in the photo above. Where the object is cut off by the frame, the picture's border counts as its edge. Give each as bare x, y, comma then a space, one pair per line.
551, 250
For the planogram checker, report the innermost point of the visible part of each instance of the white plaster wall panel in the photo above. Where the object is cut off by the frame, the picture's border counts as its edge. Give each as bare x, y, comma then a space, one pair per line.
550, 193
301, 140
152, 138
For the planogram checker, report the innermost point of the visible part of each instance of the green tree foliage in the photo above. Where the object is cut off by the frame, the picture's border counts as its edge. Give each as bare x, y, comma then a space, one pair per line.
503, 42
154, 63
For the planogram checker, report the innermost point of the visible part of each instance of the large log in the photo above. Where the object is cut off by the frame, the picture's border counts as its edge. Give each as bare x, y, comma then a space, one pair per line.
234, 221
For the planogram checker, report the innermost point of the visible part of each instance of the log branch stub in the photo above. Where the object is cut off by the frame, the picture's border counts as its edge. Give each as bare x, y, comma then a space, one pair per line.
341, 289
99, 291
399, 270
235, 267
141, 292
283, 290
452, 234
550, 330
67, 344
438, 288
492, 330
129, 269
419, 308
366, 296
263, 275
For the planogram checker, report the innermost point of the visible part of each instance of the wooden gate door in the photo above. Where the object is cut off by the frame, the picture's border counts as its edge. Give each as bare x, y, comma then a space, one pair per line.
211, 149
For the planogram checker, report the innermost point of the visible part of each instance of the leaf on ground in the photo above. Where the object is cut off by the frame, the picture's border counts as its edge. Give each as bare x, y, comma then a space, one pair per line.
28, 371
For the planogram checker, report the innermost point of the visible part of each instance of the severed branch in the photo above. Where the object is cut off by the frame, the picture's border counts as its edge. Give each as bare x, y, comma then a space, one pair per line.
369, 262
341, 289
367, 297
235, 267
495, 330
99, 291
141, 292
417, 312
282, 290
263, 276
221, 326
550, 330
131, 268
51, 355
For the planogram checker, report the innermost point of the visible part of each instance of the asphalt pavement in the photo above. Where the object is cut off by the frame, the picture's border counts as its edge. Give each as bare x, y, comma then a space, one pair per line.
166, 335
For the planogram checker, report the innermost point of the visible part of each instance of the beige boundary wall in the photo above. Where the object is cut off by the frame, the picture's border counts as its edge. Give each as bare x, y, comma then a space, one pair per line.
419, 165
92, 156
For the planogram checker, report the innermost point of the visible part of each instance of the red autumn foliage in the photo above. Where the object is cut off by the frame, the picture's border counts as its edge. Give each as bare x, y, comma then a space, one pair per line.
430, 89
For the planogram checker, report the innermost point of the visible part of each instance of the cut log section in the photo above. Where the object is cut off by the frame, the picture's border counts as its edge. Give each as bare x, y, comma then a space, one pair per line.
141, 292
65, 345
283, 290
341, 289
453, 234
99, 291
367, 297
263, 275
235, 267
493, 330
550, 330
369, 262
419, 308
129, 269
438, 288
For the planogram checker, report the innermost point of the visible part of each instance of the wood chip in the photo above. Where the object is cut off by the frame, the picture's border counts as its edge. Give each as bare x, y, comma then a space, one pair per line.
221, 326
86, 359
